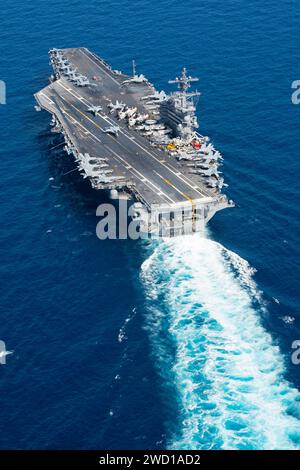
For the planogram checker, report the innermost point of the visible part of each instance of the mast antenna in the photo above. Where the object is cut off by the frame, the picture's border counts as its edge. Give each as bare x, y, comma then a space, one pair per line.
184, 82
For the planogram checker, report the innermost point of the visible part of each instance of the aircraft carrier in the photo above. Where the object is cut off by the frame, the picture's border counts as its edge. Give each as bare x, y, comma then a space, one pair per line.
135, 142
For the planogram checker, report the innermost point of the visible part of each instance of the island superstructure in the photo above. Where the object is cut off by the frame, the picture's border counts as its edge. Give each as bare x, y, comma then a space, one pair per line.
133, 141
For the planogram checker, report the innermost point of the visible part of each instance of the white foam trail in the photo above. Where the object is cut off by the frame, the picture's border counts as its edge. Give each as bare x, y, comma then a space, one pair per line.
227, 371
122, 332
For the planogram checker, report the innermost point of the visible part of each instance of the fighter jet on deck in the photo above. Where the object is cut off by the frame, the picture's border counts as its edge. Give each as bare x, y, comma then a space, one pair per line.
82, 81
69, 149
212, 171
114, 130
135, 79
116, 107
73, 76
67, 70
215, 183
157, 96
95, 110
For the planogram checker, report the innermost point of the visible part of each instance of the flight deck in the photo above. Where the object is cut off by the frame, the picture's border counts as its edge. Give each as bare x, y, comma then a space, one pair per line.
113, 125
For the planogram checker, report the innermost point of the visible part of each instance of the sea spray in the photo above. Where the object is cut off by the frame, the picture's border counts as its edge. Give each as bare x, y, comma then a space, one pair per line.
203, 317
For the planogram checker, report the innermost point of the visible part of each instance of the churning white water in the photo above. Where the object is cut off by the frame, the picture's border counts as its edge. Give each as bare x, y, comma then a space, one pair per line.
227, 371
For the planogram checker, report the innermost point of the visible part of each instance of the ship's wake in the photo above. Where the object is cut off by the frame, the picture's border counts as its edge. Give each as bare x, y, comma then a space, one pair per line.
203, 317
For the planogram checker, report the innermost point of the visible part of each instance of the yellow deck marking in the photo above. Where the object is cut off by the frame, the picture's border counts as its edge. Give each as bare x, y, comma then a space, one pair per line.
83, 114
174, 187
184, 195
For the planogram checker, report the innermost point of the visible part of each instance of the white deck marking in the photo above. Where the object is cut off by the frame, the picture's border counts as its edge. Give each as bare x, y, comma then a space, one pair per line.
95, 63
47, 97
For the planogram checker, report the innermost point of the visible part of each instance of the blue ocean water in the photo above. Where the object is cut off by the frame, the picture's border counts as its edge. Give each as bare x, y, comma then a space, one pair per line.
184, 343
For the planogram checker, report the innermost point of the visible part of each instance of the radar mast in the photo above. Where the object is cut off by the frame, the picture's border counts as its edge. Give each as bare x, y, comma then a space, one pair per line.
184, 82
